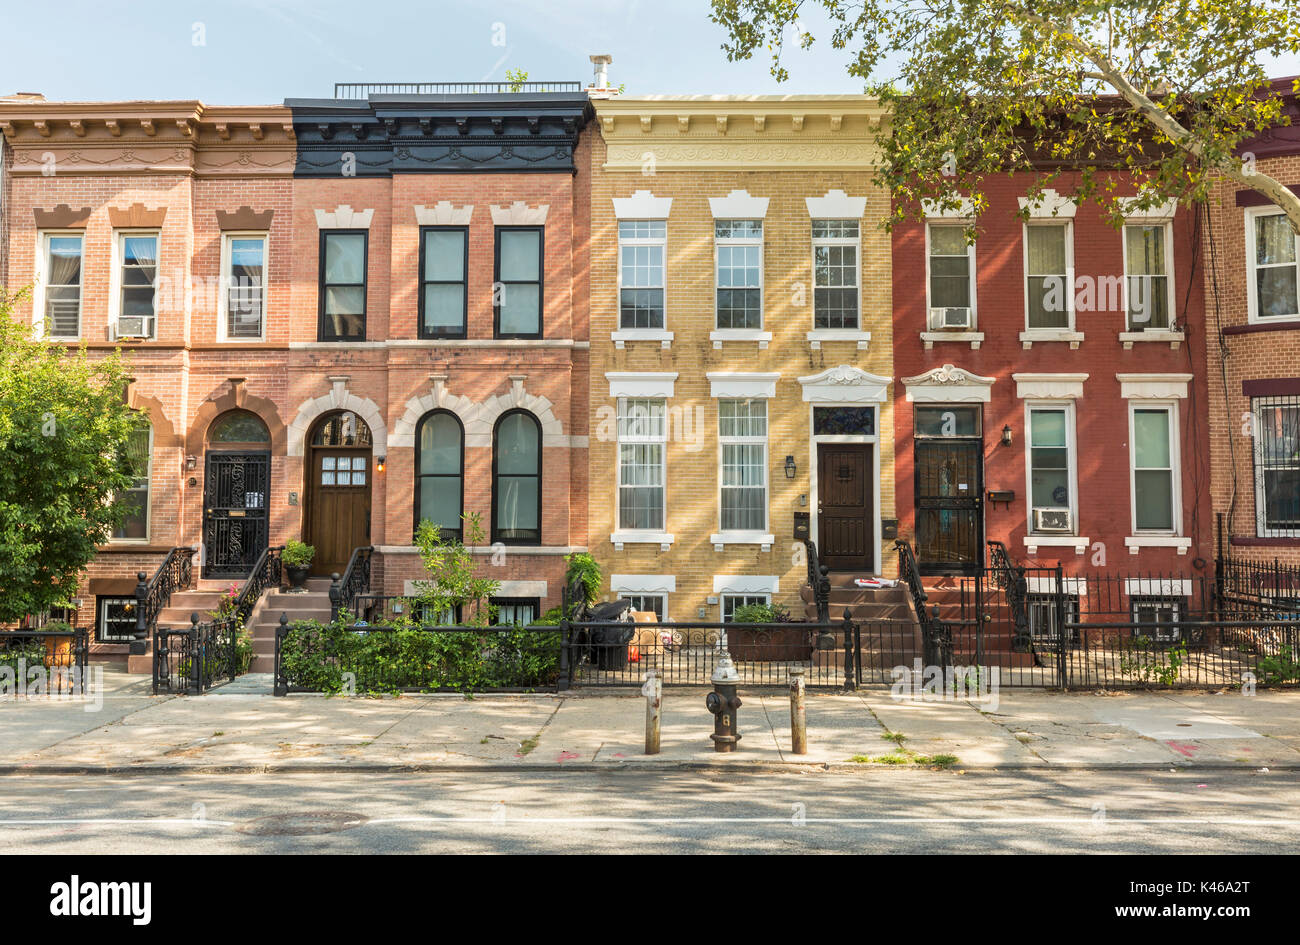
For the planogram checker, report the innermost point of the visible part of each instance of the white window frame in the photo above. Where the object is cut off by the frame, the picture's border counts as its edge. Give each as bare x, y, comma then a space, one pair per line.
739, 536
1072, 462
646, 534
745, 597
1175, 468
1068, 224
1167, 227
43, 329
1252, 299
970, 265
817, 241
633, 334
101, 605
1176, 604
115, 277
223, 293
718, 243
663, 598
148, 502
1261, 519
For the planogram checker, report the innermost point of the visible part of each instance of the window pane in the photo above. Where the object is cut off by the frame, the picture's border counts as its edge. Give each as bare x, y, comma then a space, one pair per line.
948, 241
1277, 291
141, 252
1146, 250
520, 309
440, 446
440, 501
444, 306
1275, 241
1282, 498
516, 448
239, 427
947, 421
1151, 439
1046, 250
444, 255
516, 506
345, 258
64, 263
836, 420
1047, 427
520, 259
1048, 302
1153, 496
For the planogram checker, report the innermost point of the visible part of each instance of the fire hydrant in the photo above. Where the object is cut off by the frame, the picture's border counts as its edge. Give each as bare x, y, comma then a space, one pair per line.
723, 703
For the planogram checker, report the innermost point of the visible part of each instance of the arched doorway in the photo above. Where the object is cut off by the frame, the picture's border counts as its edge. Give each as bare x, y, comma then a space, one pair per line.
236, 487
338, 490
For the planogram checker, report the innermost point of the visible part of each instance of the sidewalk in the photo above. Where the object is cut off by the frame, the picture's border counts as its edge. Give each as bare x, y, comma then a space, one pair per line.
240, 728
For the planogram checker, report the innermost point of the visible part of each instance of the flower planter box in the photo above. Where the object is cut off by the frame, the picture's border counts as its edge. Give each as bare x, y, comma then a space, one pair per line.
791, 644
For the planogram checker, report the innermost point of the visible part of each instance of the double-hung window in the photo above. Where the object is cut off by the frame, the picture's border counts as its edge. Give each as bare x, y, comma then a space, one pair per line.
1147, 285
343, 285
138, 278
732, 602
1154, 455
1277, 466
514, 611
444, 258
243, 289
641, 248
951, 268
835, 274
518, 291
739, 246
742, 434
62, 285
135, 498
642, 439
1048, 266
1273, 254
1051, 468
439, 472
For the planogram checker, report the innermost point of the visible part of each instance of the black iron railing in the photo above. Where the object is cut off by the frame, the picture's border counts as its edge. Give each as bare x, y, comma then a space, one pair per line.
361, 90
192, 660
266, 573
45, 661
935, 634
153, 595
1009, 577
819, 581
354, 581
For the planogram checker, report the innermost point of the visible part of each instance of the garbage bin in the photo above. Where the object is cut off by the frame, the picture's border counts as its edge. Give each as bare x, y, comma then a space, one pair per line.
609, 644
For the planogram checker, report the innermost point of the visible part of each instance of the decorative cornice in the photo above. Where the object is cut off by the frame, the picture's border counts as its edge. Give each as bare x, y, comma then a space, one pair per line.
136, 216
642, 205
1049, 205
245, 218
948, 384
61, 217
739, 205
519, 214
344, 218
844, 384
836, 205
443, 213
1049, 386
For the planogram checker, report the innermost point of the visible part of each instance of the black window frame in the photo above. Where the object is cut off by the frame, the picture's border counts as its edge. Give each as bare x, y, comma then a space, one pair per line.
498, 281
321, 333
533, 602
100, 601
419, 430
421, 331
496, 432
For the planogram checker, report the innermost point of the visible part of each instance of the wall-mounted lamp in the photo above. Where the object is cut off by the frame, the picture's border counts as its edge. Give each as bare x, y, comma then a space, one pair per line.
380, 462
1006, 435
191, 462
790, 468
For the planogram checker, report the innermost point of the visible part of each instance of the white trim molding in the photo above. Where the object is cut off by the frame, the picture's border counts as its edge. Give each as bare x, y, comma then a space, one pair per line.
478, 419
836, 205
1078, 542
845, 384
643, 583
520, 214
1134, 543
444, 214
344, 217
630, 536
1049, 205
1160, 213
948, 385
339, 398
746, 584
1074, 586
1153, 386
965, 210
739, 385
641, 383
623, 335
1158, 587
976, 338
521, 589
738, 205
642, 205
1030, 335
720, 540
1175, 338
819, 335
719, 335
1049, 386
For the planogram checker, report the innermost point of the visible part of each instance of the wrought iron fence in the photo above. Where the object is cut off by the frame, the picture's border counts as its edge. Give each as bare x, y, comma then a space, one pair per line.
361, 90
45, 661
191, 661
153, 595
354, 581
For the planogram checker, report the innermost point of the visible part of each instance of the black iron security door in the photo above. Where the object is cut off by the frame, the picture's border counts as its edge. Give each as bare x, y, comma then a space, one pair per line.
235, 494
949, 519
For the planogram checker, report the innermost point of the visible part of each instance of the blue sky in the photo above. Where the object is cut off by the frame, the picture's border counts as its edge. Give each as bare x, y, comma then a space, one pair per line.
263, 51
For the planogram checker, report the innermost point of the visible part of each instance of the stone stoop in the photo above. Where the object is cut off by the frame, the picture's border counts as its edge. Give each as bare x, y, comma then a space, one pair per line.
889, 631
313, 605
176, 615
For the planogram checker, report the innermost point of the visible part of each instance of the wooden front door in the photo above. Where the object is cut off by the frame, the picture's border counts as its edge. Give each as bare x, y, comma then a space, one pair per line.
949, 511
845, 520
338, 505
235, 487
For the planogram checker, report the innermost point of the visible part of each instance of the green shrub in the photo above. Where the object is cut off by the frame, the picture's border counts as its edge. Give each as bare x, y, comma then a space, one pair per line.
297, 554
760, 613
1283, 668
582, 567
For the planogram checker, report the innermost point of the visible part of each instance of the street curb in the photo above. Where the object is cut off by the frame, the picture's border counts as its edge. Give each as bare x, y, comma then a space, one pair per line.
766, 767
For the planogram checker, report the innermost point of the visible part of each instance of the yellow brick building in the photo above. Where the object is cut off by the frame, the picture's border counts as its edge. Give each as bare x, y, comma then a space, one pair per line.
741, 348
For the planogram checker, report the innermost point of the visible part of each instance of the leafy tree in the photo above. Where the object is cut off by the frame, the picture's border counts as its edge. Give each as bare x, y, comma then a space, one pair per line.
452, 582
64, 434
1165, 89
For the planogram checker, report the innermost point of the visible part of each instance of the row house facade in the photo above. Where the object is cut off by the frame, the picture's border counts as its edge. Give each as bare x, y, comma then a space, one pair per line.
741, 348
342, 316
1251, 273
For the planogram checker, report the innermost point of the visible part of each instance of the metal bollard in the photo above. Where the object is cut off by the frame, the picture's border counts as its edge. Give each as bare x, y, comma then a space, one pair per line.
798, 721
653, 690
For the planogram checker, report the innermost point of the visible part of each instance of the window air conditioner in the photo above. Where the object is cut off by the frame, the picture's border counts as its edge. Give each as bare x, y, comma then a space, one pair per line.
1051, 520
950, 317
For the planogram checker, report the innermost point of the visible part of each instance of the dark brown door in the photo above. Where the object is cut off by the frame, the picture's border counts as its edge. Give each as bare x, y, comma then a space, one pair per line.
339, 506
949, 514
844, 506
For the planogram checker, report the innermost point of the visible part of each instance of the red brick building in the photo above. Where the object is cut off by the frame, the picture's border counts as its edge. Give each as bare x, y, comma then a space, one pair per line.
1068, 424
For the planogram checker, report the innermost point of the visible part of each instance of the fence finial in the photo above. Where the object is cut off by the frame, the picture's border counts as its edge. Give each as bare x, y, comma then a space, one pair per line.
194, 618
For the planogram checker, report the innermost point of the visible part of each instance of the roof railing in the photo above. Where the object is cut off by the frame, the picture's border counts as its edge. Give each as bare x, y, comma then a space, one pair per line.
362, 90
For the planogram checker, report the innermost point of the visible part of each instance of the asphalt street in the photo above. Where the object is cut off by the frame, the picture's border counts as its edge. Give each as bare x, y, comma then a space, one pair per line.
656, 811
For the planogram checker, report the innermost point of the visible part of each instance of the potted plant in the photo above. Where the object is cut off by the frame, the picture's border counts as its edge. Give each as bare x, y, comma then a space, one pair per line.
296, 559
